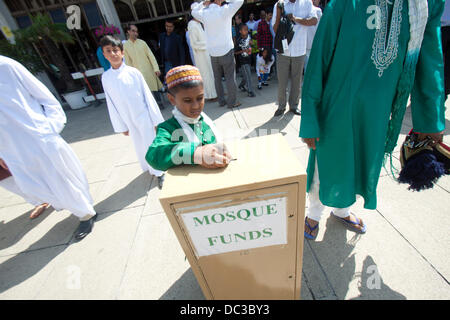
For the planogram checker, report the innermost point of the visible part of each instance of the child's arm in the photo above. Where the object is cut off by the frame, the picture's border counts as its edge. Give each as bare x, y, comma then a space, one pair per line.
165, 153
118, 124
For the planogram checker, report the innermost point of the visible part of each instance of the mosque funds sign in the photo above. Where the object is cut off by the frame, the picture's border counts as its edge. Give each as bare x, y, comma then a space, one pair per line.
244, 226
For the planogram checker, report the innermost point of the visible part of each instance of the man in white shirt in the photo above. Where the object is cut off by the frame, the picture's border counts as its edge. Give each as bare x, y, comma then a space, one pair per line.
251, 23
445, 29
290, 62
217, 22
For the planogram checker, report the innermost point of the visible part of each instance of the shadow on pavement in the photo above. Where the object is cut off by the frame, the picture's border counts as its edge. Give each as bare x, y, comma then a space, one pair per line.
185, 288
273, 126
25, 265
372, 286
31, 260
125, 196
87, 123
14, 230
338, 262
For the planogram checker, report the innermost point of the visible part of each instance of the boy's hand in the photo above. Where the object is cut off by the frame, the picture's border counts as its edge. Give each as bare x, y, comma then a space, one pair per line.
311, 142
212, 156
158, 73
126, 133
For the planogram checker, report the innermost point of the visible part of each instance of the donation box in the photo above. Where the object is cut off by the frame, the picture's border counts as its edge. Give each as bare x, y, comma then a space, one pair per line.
241, 227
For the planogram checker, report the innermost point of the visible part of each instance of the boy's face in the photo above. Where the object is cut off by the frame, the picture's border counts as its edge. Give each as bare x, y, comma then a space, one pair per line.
114, 55
244, 31
190, 101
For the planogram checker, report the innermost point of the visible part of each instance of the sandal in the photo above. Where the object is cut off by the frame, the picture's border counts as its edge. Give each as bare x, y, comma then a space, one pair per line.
307, 235
352, 225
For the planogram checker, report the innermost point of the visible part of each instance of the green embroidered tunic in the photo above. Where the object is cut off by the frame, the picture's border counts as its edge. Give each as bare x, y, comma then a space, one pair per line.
171, 146
349, 89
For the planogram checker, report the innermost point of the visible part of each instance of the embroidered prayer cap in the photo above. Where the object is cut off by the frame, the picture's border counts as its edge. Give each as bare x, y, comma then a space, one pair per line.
182, 74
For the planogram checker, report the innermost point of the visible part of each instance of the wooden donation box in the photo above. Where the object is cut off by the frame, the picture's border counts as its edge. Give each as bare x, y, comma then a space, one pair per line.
241, 227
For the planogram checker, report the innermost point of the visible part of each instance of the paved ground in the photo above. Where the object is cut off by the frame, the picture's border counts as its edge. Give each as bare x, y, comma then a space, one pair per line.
132, 252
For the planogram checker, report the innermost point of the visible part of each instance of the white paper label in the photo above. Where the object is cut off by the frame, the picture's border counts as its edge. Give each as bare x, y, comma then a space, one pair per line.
241, 227
285, 44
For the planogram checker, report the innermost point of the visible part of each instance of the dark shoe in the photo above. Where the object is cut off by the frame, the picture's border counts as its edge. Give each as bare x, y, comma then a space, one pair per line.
259, 86
85, 228
237, 104
279, 112
251, 94
160, 181
295, 111
265, 84
222, 104
242, 88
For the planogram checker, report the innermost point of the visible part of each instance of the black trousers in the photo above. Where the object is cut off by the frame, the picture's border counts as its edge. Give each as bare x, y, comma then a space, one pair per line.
445, 31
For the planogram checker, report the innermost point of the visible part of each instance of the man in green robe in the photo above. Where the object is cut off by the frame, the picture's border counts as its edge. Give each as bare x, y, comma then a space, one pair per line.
360, 73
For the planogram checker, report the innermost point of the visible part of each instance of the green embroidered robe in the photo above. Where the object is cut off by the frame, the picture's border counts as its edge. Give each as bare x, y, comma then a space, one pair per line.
349, 88
171, 146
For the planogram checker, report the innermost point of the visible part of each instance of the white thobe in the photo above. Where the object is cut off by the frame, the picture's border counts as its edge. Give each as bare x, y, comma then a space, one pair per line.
132, 108
202, 58
191, 53
217, 22
43, 165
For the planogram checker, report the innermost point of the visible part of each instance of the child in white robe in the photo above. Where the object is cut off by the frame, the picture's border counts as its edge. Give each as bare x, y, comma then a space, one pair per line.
132, 109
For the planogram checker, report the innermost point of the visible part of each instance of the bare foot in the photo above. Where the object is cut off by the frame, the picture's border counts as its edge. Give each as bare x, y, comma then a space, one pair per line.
38, 210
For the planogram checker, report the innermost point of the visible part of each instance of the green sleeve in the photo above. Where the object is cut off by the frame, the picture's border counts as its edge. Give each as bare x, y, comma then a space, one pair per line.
427, 95
321, 55
165, 153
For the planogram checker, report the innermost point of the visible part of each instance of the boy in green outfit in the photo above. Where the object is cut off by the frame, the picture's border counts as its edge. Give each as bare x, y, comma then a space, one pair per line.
190, 136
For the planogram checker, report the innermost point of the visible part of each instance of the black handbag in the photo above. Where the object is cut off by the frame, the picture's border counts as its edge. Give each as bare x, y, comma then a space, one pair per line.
285, 30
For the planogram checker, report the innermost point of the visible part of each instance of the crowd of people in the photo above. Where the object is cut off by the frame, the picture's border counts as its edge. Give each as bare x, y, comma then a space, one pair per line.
352, 102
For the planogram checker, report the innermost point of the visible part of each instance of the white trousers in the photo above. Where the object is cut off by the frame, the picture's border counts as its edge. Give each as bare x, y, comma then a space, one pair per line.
316, 207
11, 185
